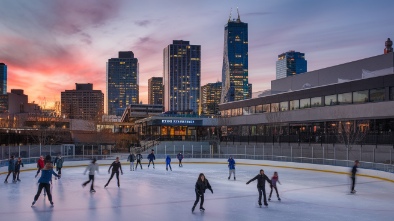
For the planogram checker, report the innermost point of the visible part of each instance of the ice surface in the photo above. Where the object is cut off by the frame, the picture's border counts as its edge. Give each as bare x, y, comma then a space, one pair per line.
155, 194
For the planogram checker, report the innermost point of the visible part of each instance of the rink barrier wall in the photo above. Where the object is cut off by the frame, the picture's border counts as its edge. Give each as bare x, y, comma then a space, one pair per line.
263, 163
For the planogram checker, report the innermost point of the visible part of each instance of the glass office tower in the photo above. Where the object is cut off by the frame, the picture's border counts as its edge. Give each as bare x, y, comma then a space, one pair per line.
122, 82
182, 77
155, 90
3, 78
290, 63
235, 84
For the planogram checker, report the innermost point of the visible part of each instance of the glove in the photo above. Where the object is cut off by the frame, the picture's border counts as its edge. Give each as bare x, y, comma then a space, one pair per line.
211, 191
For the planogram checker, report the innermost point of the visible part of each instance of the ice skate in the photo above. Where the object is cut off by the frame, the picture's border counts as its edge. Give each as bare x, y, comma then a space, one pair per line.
353, 191
228, 178
32, 204
234, 178
193, 208
5, 181
19, 180
269, 199
202, 209
266, 204
51, 203
278, 198
92, 191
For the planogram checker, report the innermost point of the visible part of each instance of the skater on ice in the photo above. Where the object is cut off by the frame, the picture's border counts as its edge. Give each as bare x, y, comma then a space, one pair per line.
180, 158
40, 165
18, 166
261, 178
92, 167
138, 158
274, 180
353, 176
151, 158
44, 182
116, 166
168, 162
59, 164
131, 159
231, 167
201, 185
11, 169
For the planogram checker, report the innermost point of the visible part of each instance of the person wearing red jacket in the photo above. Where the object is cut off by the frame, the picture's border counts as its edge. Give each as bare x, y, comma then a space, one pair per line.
40, 165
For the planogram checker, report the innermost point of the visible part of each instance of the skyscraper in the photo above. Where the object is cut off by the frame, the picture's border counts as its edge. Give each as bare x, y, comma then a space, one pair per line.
155, 90
3, 78
182, 75
235, 85
122, 82
210, 97
290, 63
82, 103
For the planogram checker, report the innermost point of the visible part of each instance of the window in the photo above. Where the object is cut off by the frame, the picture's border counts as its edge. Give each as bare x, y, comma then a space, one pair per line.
345, 98
316, 101
245, 111
274, 107
305, 103
284, 106
330, 100
266, 108
259, 109
234, 112
240, 111
294, 104
391, 93
360, 96
376, 94
252, 109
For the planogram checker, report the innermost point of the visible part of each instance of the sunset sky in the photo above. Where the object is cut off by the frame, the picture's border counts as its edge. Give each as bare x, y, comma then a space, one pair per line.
50, 45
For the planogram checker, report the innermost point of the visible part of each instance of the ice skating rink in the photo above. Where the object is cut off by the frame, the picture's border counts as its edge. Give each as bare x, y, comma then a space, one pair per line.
155, 194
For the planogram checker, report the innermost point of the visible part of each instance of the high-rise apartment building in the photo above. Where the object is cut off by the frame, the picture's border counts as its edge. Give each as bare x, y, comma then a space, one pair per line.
235, 84
181, 76
210, 98
155, 90
82, 103
122, 83
3, 78
290, 63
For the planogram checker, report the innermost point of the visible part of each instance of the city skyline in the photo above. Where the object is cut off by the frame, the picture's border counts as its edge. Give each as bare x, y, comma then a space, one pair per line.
50, 47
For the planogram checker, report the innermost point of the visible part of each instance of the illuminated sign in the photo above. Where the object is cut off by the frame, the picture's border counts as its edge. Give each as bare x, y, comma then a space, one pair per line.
176, 122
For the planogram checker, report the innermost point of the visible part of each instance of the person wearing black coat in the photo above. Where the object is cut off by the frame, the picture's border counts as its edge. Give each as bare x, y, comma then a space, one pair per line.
116, 166
138, 157
201, 185
151, 158
131, 158
18, 165
261, 178
353, 176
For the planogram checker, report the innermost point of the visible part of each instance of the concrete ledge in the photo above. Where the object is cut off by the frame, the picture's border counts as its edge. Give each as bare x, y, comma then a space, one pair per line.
299, 166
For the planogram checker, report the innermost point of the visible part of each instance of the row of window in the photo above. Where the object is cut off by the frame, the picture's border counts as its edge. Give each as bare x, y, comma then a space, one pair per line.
356, 97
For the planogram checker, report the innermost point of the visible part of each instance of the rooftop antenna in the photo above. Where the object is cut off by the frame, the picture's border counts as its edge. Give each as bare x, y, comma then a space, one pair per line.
229, 18
239, 18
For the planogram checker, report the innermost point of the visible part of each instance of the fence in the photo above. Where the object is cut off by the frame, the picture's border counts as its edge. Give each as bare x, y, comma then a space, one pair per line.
378, 157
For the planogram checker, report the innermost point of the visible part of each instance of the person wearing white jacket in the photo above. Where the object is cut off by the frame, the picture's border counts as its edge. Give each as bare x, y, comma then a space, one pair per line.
92, 167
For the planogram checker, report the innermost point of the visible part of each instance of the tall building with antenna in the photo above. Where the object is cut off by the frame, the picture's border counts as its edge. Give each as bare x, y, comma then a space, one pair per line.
235, 84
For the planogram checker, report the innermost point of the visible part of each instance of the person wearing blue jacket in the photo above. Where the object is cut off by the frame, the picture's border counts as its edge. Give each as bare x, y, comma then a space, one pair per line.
231, 167
44, 182
18, 165
11, 169
151, 158
168, 162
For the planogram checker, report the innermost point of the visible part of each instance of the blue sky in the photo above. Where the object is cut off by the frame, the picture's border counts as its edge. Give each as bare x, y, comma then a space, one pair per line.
50, 45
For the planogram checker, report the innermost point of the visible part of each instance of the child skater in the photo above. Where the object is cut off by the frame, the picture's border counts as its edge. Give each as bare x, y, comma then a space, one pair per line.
201, 185
40, 165
261, 178
168, 162
180, 158
274, 180
131, 159
116, 166
139, 158
231, 167
92, 167
18, 165
44, 182
151, 158
59, 164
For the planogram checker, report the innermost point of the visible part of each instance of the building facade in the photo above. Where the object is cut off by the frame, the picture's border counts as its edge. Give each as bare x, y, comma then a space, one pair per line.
3, 78
290, 63
182, 77
16, 102
357, 110
82, 103
235, 83
155, 90
122, 82
210, 98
